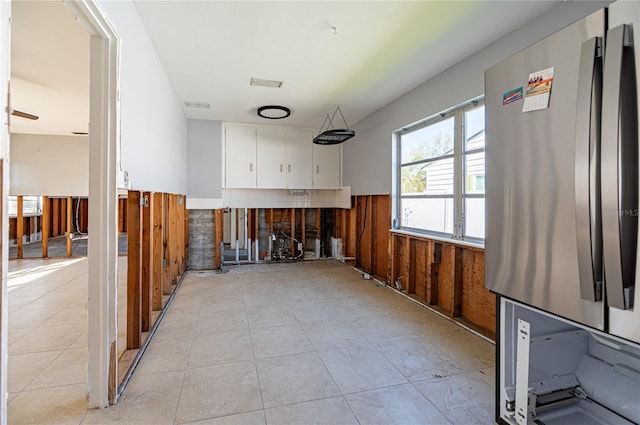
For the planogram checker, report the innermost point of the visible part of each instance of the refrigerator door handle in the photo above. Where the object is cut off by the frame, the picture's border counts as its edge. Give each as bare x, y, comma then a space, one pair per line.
619, 168
587, 170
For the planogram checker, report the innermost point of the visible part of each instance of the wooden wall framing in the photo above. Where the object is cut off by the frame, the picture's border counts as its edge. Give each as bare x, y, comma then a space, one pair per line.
56, 219
447, 276
156, 225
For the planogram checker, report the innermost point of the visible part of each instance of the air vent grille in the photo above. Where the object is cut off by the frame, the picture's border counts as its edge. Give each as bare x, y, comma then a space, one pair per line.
199, 105
266, 83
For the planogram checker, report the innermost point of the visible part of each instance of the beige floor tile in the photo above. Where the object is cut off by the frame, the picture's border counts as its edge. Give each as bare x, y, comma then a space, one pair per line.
328, 411
249, 418
217, 348
293, 379
268, 316
488, 375
461, 397
418, 359
30, 318
81, 341
469, 351
228, 320
46, 338
279, 341
58, 405
401, 404
148, 399
16, 334
165, 355
70, 367
325, 335
220, 390
381, 328
360, 367
24, 368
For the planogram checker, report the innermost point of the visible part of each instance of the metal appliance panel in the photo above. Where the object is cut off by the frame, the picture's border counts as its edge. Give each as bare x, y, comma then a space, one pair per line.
626, 323
530, 246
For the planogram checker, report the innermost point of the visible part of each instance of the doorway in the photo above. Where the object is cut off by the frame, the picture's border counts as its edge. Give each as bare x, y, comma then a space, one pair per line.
102, 250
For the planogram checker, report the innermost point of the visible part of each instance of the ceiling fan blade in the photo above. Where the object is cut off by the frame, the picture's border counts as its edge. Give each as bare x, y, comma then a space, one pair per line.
24, 115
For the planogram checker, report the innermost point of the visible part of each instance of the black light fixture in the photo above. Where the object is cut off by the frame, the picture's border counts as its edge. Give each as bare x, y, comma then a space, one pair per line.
274, 112
331, 135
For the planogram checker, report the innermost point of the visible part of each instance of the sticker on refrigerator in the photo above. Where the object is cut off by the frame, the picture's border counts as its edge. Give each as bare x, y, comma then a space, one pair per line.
511, 96
538, 90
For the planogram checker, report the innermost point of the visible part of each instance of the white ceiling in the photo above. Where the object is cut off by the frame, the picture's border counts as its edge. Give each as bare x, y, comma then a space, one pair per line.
49, 69
382, 49
211, 50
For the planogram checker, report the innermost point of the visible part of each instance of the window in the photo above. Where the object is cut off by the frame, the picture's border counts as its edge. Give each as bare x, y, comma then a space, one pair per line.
440, 174
31, 205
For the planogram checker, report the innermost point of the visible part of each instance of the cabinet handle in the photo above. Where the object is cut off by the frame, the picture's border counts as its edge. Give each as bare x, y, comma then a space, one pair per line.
281, 168
251, 166
317, 169
289, 167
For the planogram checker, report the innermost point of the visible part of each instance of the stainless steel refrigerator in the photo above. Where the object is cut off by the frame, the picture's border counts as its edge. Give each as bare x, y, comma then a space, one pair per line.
562, 223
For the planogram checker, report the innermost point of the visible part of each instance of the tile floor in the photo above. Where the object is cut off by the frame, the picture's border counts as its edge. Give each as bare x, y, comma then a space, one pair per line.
300, 343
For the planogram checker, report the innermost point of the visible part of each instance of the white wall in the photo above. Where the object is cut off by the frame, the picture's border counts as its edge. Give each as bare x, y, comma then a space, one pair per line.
49, 165
153, 126
367, 157
204, 148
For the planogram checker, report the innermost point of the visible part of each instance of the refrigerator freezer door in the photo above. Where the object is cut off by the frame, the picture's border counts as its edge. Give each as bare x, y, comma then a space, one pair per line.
626, 323
531, 240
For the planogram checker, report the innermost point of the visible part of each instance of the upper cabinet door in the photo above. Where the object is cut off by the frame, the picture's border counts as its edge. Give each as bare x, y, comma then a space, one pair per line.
299, 156
271, 151
240, 157
326, 166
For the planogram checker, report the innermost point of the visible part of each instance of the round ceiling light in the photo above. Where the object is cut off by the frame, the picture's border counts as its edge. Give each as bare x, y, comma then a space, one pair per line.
273, 112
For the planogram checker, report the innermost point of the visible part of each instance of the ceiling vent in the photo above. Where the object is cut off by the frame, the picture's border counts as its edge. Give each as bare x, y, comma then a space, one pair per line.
266, 83
199, 105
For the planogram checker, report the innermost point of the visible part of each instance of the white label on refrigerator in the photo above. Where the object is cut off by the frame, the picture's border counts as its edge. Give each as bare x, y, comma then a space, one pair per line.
538, 90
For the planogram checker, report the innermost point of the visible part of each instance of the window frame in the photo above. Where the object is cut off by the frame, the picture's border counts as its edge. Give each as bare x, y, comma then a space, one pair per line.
459, 155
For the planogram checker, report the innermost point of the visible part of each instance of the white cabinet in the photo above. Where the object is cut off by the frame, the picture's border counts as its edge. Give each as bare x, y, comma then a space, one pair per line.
327, 166
299, 158
272, 158
240, 156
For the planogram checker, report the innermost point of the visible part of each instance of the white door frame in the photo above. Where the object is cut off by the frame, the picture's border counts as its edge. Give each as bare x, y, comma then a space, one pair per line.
5, 69
104, 135
103, 160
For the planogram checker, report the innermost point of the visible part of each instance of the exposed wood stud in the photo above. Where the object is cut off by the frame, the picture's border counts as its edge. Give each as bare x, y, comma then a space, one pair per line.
46, 212
456, 309
293, 231
257, 231
435, 272
166, 257
270, 221
19, 227
155, 207
56, 216
218, 236
134, 235
69, 227
303, 227
411, 276
147, 264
